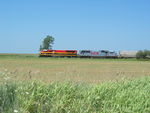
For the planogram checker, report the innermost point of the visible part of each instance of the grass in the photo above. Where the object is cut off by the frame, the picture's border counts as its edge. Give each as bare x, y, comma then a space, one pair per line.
24, 68
15, 55
127, 96
64, 85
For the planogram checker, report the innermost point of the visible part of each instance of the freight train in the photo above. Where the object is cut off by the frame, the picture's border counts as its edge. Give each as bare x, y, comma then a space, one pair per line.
81, 53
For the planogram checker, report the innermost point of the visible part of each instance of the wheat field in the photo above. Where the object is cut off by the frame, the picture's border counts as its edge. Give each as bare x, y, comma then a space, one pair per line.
26, 68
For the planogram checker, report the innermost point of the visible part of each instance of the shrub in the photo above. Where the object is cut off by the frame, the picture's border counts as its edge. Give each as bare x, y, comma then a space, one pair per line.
143, 54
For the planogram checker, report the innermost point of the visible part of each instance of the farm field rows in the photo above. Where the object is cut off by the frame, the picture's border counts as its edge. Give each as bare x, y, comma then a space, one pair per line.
28, 67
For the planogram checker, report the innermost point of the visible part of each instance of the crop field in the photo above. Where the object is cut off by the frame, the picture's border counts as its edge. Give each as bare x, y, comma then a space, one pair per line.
29, 84
31, 67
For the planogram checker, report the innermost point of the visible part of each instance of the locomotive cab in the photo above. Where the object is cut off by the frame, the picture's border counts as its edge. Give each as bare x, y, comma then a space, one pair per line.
85, 53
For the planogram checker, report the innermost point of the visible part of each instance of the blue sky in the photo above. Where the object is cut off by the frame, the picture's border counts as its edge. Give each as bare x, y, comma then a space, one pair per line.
75, 24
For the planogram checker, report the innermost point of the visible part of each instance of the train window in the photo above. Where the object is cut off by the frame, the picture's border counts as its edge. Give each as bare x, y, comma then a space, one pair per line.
104, 51
112, 52
82, 52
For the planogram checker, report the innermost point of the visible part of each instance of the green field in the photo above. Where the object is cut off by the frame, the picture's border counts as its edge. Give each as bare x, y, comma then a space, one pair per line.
29, 84
111, 97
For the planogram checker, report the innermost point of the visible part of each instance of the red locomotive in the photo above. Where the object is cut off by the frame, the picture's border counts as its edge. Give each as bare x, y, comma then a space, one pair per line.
58, 53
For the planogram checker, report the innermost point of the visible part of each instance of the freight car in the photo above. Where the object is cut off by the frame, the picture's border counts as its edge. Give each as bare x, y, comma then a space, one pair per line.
127, 54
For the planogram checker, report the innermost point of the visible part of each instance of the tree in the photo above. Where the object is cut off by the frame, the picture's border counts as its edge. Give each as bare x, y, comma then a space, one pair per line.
143, 54
47, 43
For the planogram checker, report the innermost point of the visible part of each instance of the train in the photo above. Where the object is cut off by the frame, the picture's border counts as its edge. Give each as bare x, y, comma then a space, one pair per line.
88, 53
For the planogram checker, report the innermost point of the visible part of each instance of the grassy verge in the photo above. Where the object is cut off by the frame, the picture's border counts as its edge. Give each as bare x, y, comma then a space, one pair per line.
128, 96
9, 55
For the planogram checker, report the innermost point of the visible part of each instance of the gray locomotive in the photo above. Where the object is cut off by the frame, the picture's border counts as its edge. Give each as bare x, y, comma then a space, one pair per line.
97, 54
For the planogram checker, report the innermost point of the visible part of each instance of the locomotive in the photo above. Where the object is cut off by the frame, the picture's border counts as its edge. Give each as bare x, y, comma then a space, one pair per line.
80, 54
97, 54
58, 53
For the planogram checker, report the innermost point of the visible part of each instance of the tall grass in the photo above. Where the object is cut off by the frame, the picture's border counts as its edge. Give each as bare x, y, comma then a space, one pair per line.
128, 96
7, 97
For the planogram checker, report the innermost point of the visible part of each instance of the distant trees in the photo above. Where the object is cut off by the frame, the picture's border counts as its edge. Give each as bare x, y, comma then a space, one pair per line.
143, 54
47, 43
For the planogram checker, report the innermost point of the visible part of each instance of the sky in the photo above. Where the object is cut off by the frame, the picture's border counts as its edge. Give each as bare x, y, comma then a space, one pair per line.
75, 24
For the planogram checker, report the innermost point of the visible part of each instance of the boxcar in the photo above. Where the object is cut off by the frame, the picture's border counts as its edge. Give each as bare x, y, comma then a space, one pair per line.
127, 54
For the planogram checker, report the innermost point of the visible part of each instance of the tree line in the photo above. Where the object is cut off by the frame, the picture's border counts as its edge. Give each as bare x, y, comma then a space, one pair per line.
145, 54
